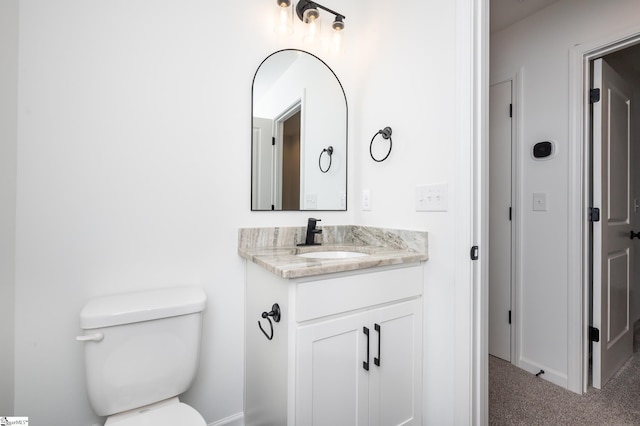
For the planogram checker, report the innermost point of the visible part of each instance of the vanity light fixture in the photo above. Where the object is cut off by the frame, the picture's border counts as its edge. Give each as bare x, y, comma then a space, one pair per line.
309, 13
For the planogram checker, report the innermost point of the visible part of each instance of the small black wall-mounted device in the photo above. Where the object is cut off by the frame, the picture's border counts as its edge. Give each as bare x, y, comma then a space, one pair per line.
542, 150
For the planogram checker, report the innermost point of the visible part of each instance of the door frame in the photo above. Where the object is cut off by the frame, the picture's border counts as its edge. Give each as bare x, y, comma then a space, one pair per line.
517, 164
579, 239
470, 200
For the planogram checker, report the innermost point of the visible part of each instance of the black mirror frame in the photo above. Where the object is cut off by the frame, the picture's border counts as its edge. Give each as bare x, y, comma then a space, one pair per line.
346, 139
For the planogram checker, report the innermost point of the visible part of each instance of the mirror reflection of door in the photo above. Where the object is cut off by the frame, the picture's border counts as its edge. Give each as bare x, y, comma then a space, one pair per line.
291, 163
262, 164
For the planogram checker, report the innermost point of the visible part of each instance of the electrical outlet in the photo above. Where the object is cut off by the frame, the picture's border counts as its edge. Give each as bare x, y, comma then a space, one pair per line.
432, 198
366, 200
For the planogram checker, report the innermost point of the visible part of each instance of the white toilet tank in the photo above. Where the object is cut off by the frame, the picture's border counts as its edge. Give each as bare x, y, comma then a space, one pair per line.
141, 347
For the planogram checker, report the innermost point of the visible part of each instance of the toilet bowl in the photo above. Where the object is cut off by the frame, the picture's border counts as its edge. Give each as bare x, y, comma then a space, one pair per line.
142, 351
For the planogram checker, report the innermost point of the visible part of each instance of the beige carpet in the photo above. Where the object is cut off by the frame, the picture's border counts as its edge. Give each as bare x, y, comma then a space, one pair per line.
517, 397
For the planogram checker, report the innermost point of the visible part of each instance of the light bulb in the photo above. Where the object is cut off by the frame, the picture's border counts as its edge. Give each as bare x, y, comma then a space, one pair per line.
310, 14
338, 29
337, 41
313, 29
284, 23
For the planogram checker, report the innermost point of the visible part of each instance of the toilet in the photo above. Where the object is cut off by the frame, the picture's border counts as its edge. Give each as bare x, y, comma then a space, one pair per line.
141, 352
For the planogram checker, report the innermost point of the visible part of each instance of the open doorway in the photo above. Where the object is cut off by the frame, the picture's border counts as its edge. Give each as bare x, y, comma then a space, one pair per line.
573, 343
291, 163
581, 180
578, 149
288, 167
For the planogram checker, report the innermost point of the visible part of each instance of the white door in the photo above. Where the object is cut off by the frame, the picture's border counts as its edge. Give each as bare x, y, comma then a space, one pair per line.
500, 220
395, 396
612, 245
262, 179
331, 383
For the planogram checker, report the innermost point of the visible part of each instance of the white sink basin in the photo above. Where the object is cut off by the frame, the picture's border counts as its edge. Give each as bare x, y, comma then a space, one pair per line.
332, 254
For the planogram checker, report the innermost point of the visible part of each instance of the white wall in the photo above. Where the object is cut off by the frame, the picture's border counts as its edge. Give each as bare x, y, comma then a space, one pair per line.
538, 47
133, 172
8, 138
407, 76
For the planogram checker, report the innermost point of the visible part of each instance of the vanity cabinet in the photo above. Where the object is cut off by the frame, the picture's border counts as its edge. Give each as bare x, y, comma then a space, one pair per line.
347, 350
361, 369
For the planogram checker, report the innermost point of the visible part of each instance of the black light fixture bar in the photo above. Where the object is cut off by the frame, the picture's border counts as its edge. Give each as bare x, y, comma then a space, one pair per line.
307, 4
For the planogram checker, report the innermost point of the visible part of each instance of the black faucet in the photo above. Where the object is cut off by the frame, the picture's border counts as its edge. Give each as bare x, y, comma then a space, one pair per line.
311, 232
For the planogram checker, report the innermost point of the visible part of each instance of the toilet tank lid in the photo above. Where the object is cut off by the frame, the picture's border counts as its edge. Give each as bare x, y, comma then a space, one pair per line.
126, 308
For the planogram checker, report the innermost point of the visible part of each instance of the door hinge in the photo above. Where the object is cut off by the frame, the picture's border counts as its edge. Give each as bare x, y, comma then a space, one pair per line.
594, 96
273, 140
509, 316
594, 334
510, 110
474, 253
594, 214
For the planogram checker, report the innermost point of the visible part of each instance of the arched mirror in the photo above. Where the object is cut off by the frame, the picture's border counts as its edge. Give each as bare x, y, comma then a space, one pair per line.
299, 137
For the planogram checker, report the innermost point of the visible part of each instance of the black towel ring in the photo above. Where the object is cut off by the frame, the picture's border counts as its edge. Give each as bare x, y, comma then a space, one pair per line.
386, 134
329, 151
276, 314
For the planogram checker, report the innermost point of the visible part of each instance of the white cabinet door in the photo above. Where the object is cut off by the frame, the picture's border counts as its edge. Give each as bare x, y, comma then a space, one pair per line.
395, 388
331, 384
334, 387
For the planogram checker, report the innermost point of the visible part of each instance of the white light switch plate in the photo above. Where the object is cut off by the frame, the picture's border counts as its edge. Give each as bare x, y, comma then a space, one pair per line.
311, 201
540, 201
432, 198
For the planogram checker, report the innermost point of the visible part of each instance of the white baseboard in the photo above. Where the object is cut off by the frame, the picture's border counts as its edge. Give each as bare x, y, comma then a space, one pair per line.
549, 374
233, 420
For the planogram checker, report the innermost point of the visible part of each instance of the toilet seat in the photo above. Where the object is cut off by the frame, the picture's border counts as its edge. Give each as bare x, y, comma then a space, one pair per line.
166, 413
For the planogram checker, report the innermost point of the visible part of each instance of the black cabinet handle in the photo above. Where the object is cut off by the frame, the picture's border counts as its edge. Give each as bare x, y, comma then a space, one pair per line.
365, 364
633, 235
376, 361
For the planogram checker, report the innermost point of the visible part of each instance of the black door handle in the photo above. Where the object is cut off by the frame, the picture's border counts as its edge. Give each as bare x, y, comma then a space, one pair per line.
365, 364
376, 361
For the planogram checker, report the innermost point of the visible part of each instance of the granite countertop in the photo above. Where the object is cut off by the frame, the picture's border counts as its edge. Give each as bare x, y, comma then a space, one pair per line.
275, 249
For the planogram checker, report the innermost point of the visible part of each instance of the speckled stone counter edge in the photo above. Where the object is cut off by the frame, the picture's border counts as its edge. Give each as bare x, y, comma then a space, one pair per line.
275, 248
